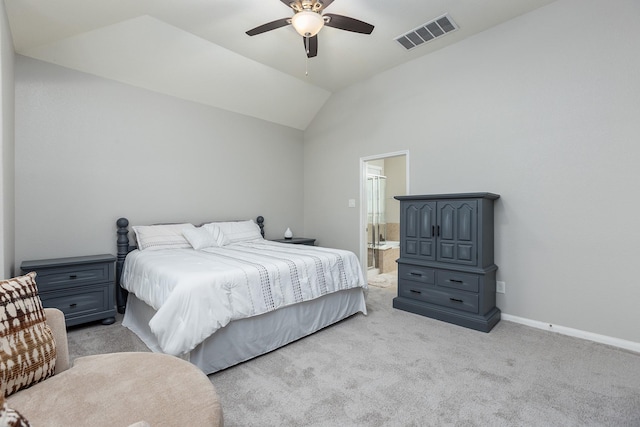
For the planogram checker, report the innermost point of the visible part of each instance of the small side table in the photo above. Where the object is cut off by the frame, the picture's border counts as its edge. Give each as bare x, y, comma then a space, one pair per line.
297, 241
82, 287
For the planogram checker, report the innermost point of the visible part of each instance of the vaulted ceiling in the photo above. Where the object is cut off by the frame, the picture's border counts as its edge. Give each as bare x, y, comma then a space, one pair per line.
198, 49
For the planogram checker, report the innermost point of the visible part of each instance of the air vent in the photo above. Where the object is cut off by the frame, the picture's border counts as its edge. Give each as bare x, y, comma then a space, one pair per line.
425, 33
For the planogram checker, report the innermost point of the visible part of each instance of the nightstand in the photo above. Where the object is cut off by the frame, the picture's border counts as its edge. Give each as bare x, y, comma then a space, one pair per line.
82, 287
297, 241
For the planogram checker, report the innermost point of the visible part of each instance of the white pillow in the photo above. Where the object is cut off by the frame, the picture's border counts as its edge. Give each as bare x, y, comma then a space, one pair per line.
204, 237
217, 234
166, 236
240, 231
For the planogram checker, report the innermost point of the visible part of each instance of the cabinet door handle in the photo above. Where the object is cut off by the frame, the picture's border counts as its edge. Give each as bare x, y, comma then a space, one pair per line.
413, 291
433, 230
455, 300
456, 281
438, 230
73, 276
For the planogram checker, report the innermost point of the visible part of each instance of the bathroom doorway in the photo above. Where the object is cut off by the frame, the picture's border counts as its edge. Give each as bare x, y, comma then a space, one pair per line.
383, 177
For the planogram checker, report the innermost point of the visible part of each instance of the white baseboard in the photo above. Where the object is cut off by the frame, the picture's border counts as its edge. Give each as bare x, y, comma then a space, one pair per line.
577, 333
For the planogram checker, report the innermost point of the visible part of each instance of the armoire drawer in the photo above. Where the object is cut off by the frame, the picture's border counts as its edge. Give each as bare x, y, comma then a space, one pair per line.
416, 274
456, 280
464, 301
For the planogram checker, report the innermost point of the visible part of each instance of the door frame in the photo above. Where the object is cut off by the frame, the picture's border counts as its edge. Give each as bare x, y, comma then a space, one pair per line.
363, 197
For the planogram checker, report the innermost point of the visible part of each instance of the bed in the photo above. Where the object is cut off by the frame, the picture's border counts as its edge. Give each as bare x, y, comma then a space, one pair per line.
219, 294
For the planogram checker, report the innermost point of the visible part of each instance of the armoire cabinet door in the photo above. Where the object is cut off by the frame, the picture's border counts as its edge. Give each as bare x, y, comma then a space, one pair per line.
457, 237
417, 227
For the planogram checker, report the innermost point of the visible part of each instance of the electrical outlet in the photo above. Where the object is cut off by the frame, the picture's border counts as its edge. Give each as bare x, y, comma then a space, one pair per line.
500, 287
352, 203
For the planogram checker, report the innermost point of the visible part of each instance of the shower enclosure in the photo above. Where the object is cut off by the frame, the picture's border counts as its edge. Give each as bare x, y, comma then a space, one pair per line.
376, 222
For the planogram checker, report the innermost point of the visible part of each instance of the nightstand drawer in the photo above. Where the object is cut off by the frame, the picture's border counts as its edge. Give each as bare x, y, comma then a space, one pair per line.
66, 277
416, 274
82, 301
458, 300
457, 280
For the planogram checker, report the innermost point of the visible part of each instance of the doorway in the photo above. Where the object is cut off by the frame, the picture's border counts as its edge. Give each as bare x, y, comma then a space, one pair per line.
383, 177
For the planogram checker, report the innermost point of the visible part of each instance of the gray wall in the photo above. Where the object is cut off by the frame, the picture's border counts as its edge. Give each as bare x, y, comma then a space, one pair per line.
90, 150
7, 216
542, 110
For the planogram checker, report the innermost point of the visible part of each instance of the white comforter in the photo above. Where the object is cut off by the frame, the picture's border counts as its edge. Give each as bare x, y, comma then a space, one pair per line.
196, 293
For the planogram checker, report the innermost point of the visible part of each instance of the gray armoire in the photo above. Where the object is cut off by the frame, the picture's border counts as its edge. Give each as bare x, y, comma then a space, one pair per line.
446, 269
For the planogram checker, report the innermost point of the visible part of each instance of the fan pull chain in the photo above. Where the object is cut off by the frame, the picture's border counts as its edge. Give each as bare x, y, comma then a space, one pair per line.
306, 59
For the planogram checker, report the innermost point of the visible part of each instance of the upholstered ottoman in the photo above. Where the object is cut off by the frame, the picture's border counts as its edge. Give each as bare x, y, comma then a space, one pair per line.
119, 389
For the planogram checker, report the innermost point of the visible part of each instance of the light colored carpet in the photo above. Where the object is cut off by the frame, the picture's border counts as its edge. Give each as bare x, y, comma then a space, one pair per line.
393, 368
384, 280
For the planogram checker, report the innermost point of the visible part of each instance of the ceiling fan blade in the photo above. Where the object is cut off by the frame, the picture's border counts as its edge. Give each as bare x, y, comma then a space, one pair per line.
311, 46
347, 24
269, 26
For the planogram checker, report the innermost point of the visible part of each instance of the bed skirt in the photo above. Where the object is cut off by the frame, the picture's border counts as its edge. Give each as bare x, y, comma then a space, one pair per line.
245, 339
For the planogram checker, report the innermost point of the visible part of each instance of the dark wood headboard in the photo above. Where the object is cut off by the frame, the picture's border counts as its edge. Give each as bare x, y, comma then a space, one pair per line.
123, 250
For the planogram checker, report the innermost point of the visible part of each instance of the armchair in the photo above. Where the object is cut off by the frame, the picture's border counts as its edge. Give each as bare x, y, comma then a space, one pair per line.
118, 389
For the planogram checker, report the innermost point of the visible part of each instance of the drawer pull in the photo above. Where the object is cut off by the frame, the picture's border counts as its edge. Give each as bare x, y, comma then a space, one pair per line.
455, 300
456, 281
73, 305
413, 291
73, 276
415, 274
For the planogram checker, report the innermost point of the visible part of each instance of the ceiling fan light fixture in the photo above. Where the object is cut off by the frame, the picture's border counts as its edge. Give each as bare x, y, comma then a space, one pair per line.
307, 23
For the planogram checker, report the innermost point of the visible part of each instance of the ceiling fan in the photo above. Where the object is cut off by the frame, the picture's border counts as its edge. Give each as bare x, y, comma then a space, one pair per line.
308, 20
